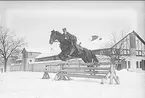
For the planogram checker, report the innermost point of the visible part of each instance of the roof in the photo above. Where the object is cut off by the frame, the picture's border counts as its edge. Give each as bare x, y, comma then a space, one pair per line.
51, 61
133, 32
100, 49
139, 37
19, 60
31, 50
43, 55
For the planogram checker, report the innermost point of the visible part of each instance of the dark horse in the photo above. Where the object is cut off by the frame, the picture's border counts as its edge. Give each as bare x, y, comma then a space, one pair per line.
65, 45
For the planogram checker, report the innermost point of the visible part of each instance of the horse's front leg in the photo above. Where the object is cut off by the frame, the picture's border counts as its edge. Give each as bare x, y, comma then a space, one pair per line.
61, 56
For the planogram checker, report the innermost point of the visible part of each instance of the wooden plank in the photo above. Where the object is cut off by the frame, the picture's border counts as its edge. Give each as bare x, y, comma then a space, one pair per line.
84, 76
87, 68
105, 63
85, 72
87, 64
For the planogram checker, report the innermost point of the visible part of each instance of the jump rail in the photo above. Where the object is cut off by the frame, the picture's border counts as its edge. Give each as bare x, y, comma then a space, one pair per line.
104, 71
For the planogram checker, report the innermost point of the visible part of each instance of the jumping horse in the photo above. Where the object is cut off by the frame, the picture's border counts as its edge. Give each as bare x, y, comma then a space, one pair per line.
65, 45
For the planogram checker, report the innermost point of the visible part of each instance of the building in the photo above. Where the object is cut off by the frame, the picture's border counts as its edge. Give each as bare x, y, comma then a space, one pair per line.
131, 49
28, 57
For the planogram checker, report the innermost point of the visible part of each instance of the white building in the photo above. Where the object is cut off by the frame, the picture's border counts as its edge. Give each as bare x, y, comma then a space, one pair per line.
131, 49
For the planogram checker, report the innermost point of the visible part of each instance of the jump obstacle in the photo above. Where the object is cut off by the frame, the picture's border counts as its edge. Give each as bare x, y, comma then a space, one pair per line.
104, 71
46, 75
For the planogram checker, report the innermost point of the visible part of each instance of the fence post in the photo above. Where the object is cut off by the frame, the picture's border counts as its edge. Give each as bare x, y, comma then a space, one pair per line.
32, 67
111, 73
61, 66
46, 75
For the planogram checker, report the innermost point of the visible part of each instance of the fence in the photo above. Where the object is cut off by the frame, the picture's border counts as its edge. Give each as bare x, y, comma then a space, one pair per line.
53, 66
35, 68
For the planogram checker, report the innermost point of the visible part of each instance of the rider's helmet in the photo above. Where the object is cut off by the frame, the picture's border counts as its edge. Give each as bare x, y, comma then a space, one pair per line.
64, 30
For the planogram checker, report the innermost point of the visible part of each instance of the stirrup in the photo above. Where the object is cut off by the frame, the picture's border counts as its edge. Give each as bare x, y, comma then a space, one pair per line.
69, 56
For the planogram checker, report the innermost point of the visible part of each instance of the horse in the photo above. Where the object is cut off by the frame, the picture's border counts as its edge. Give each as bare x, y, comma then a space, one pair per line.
65, 45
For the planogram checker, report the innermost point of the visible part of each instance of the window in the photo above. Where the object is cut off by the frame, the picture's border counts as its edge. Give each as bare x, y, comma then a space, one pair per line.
125, 52
140, 53
128, 64
137, 64
137, 44
128, 42
125, 64
136, 52
140, 64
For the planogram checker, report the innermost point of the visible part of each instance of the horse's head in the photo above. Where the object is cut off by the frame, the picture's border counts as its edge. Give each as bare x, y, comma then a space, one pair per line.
53, 37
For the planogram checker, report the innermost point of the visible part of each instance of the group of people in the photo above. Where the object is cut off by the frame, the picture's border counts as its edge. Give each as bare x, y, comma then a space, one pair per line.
72, 38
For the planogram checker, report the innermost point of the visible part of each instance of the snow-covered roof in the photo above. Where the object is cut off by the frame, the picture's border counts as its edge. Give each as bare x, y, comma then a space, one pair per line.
19, 60
31, 50
47, 54
51, 61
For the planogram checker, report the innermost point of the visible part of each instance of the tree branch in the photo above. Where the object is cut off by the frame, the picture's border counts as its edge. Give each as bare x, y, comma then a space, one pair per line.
8, 44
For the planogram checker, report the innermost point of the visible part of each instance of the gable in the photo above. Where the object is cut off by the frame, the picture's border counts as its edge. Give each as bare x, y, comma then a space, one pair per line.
132, 38
129, 42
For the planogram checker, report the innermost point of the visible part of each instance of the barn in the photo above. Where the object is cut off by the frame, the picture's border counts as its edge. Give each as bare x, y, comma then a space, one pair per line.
131, 49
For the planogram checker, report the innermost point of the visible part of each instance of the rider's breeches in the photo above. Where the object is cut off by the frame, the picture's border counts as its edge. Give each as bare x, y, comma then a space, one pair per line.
74, 42
73, 46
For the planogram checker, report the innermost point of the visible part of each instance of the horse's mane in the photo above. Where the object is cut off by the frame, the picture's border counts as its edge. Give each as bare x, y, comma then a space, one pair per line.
57, 32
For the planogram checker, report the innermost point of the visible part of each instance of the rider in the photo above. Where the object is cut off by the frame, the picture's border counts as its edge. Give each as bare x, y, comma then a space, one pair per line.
72, 38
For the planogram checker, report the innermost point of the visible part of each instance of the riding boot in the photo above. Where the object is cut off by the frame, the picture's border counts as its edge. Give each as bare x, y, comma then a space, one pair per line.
78, 49
72, 51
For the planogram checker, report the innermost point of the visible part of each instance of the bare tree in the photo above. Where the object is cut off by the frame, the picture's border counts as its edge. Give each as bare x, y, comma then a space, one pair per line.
114, 38
10, 45
116, 46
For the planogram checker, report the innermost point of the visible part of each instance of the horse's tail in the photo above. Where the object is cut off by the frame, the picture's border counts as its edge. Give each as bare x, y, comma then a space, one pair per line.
94, 57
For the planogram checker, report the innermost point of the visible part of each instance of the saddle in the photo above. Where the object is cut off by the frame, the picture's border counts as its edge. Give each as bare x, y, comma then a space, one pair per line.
79, 48
69, 37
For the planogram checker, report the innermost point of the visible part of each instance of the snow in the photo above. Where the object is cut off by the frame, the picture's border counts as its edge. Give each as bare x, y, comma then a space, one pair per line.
30, 85
47, 54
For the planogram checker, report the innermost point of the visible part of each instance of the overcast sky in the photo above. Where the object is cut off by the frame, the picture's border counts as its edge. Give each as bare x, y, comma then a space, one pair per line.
35, 20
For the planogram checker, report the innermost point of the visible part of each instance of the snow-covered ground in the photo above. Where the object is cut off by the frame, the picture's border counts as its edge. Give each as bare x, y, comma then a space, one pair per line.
30, 85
